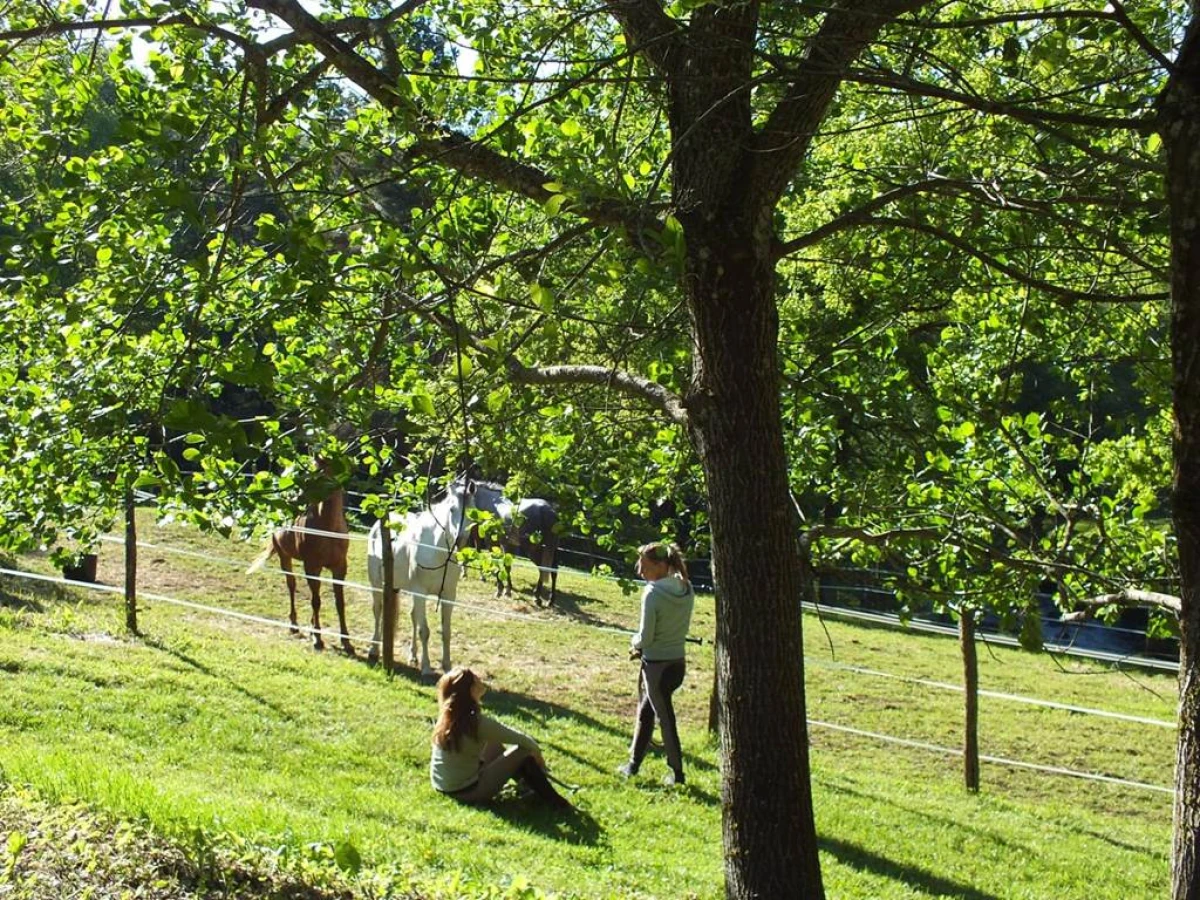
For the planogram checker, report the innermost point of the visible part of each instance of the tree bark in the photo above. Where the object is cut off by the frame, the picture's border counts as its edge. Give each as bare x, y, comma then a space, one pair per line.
714, 703
1181, 138
966, 641
766, 795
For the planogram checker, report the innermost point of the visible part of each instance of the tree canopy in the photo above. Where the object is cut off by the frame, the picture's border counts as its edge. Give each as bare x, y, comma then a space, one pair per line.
855, 284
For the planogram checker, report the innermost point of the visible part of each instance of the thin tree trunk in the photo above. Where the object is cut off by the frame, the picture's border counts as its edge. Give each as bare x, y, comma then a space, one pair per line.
966, 642
1181, 137
131, 623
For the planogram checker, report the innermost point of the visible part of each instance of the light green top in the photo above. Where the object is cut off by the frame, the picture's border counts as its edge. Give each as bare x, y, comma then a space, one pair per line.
453, 770
666, 617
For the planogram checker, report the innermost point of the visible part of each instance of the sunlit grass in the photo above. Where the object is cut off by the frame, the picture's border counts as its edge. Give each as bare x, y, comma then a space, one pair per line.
239, 729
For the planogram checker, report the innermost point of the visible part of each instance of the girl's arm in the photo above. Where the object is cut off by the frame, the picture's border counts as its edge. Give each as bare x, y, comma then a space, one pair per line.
492, 731
645, 632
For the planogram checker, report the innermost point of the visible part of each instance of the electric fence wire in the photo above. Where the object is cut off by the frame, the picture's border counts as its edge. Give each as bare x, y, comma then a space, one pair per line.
187, 604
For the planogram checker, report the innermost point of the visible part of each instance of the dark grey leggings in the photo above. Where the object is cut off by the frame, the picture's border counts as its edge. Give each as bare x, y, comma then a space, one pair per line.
660, 679
497, 766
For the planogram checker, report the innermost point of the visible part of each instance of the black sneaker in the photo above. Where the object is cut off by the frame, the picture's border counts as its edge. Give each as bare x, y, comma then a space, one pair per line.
629, 769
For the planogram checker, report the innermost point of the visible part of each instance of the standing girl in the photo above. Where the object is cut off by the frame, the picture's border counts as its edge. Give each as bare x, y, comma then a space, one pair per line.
667, 602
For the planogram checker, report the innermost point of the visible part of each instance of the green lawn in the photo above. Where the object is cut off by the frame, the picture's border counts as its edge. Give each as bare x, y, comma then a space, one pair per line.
227, 732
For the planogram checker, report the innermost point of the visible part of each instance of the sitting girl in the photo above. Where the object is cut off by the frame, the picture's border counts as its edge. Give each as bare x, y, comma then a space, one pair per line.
469, 761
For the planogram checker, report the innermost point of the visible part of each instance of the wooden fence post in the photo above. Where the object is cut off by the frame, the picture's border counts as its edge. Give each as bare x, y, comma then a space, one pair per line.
131, 622
966, 640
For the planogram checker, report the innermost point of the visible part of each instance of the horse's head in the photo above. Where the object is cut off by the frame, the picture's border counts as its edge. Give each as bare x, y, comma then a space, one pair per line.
462, 492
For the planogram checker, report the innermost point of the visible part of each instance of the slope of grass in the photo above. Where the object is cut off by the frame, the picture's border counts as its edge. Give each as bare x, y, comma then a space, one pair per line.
241, 733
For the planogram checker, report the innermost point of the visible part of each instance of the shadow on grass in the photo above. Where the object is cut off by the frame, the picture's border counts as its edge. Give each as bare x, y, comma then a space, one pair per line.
16, 601
574, 827
34, 595
918, 879
924, 813
652, 784
570, 606
1162, 854
503, 703
192, 662
506, 704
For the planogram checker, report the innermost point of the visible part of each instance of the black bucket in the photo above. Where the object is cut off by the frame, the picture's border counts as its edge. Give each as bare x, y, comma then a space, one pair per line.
85, 570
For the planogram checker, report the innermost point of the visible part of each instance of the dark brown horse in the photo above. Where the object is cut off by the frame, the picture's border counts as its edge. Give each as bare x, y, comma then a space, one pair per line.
320, 540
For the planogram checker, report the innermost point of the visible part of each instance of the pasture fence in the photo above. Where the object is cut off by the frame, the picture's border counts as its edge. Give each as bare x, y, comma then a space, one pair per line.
885, 738
995, 760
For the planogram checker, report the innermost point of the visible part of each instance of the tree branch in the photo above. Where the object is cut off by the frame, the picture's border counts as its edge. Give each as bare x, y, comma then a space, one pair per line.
784, 139
1011, 271
651, 392
440, 143
1019, 111
362, 26
1128, 597
650, 31
989, 195
1139, 36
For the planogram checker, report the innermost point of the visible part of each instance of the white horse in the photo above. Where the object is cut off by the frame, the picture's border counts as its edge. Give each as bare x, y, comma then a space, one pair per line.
422, 567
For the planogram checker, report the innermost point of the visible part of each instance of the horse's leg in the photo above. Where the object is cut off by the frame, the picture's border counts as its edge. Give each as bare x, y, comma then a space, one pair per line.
312, 571
285, 563
339, 600
538, 557
551, 557
505, 585
549, 566
420, 630
377, 637
447, 611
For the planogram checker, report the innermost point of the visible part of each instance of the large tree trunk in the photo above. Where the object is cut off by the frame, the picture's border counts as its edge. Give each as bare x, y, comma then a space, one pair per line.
769, 829
1181, 134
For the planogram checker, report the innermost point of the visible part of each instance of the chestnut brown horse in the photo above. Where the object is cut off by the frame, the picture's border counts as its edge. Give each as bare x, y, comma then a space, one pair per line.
316, 539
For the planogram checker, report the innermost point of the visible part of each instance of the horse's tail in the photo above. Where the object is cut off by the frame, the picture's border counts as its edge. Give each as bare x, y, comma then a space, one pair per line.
261, 559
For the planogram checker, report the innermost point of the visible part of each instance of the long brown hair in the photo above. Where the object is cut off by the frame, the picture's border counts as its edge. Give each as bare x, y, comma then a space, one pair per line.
664, 551
459, 709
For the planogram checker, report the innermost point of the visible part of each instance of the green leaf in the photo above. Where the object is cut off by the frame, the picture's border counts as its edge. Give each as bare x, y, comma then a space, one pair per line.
542, 296
422, 403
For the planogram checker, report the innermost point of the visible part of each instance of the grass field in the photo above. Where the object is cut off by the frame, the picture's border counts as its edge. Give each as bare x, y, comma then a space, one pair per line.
218, 734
